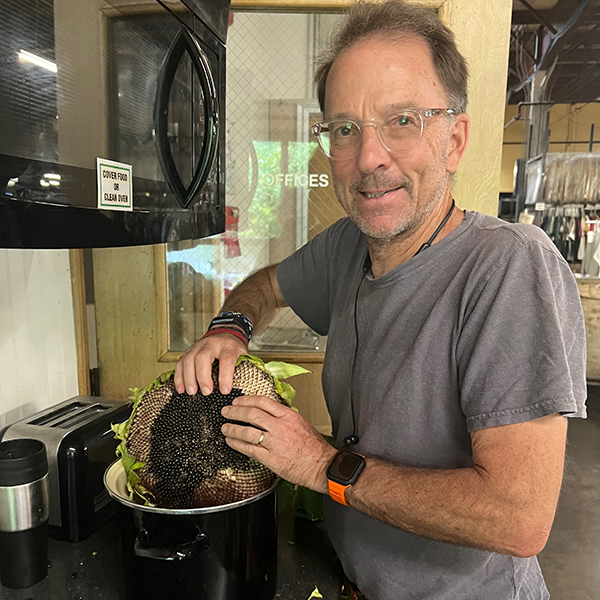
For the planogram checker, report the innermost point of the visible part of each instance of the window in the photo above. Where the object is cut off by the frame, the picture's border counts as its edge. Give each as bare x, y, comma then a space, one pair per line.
279, 188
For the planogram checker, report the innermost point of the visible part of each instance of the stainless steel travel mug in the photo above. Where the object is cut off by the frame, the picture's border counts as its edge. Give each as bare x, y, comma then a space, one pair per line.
24, 512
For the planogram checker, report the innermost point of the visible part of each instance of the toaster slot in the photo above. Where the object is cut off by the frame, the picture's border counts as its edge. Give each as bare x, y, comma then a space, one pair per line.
80, 416
57, 414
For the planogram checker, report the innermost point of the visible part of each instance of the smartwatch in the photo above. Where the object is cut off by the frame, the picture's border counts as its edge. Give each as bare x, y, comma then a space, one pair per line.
343, 472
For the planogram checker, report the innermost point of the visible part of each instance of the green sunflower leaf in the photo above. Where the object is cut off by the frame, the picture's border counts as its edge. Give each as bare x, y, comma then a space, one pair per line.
283, 370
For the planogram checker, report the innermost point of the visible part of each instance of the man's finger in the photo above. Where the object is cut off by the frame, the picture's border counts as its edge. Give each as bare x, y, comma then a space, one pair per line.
226, 369
248, 414
272, 407
203, 371
252, 450
189, 371
178, 379
252, 435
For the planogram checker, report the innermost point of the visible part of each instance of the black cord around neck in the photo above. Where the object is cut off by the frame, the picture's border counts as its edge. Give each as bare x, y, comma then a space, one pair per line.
353, 439
428, 243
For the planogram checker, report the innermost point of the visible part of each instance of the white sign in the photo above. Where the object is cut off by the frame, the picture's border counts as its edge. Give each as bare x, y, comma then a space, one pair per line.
540, 206
526, 218
115, 186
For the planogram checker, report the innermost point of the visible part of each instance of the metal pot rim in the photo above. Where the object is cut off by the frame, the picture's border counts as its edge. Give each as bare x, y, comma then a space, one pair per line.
115, 474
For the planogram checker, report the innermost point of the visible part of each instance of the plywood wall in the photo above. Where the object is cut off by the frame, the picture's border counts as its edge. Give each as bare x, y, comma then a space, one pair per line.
482, 31
38, 357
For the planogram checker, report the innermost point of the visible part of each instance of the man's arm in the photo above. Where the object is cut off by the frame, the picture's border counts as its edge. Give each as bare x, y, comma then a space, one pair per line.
259, 298
505, 503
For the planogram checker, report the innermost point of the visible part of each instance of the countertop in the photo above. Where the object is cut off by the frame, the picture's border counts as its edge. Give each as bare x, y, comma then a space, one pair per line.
92, 569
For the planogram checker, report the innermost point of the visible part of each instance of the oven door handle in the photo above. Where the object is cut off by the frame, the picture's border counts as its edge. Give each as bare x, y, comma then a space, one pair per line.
185, 43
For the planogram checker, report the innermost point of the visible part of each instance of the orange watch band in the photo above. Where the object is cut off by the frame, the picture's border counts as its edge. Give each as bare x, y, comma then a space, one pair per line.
337, 492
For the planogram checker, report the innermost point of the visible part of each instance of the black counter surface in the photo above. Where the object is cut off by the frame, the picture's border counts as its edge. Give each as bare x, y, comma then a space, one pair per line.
92, 569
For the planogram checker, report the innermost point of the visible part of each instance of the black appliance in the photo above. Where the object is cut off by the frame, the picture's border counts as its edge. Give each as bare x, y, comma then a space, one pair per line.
80, 445
139, 82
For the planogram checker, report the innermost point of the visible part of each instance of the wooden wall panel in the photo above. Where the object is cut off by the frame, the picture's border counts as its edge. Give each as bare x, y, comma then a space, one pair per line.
482, 32
80, 318
126, 324
309, 400
589, 290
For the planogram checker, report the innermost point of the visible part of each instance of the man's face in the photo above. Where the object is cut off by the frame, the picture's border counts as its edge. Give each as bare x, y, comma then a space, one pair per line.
386, 194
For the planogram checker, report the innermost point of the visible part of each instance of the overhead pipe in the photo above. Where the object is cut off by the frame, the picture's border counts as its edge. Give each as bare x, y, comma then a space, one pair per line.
518, 116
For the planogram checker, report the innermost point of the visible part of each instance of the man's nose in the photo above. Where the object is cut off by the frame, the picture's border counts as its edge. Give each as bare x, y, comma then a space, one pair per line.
372, 154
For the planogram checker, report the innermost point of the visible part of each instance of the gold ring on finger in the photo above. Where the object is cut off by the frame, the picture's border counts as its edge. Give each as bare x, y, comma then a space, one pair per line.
260, 439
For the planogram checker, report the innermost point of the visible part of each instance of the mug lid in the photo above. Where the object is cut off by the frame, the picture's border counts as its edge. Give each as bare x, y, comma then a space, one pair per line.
22, 461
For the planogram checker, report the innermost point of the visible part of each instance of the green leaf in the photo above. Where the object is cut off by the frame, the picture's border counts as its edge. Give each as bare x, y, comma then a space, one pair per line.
285, 494
286, 391
315, 594
275, 370
283, 370
120, 430
253, 359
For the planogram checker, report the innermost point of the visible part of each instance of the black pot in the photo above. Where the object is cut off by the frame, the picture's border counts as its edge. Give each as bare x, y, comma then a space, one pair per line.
224, 552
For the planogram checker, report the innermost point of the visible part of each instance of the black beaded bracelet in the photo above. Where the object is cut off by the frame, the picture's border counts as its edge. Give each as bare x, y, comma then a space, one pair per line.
234, 318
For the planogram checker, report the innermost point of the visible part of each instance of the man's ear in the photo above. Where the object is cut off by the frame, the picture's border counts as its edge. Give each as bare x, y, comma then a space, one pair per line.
459, 139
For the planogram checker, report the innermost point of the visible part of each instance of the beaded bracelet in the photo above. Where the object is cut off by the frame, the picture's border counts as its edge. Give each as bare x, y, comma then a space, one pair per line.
233, 318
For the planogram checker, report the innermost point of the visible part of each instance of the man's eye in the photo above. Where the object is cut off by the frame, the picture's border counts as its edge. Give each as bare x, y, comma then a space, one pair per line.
345, 130
404, 120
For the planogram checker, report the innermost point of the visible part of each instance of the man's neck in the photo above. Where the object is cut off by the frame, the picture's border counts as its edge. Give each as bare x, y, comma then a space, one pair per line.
387, 255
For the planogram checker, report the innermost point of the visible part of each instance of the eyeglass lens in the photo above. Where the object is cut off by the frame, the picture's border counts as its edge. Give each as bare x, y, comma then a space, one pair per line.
399, 133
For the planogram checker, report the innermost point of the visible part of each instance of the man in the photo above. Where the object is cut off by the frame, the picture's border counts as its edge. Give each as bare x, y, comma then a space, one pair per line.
456, 342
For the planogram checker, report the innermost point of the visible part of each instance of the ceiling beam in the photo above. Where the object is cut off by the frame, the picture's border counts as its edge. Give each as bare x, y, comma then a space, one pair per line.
539, 16
581, 83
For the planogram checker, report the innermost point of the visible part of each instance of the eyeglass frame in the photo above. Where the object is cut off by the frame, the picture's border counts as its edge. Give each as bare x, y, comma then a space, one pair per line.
317, 128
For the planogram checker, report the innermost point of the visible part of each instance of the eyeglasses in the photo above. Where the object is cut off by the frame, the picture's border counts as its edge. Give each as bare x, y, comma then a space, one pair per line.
400, 132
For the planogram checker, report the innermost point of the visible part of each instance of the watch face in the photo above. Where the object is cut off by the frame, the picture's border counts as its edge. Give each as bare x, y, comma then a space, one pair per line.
346, 467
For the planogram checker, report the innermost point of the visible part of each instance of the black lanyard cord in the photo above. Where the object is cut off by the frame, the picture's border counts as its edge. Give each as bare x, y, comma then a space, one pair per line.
352, 440
428, 243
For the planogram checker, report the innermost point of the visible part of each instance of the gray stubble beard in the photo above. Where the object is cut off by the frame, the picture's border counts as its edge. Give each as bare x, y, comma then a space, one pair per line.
383, 240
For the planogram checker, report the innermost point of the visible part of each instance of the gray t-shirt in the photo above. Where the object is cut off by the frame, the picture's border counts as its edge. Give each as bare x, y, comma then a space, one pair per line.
484, 328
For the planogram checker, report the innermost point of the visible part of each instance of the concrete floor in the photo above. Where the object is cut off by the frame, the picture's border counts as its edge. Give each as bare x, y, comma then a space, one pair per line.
571, 560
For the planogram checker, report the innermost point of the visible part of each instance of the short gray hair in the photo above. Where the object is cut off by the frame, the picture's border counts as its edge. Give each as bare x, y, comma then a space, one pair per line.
396, 18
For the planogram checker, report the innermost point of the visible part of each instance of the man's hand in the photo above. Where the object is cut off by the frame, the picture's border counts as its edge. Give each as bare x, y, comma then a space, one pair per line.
195, 366
290, 446
259, 298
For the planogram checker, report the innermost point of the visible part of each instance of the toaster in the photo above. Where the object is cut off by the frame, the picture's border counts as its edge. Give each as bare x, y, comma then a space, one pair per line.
80, 446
